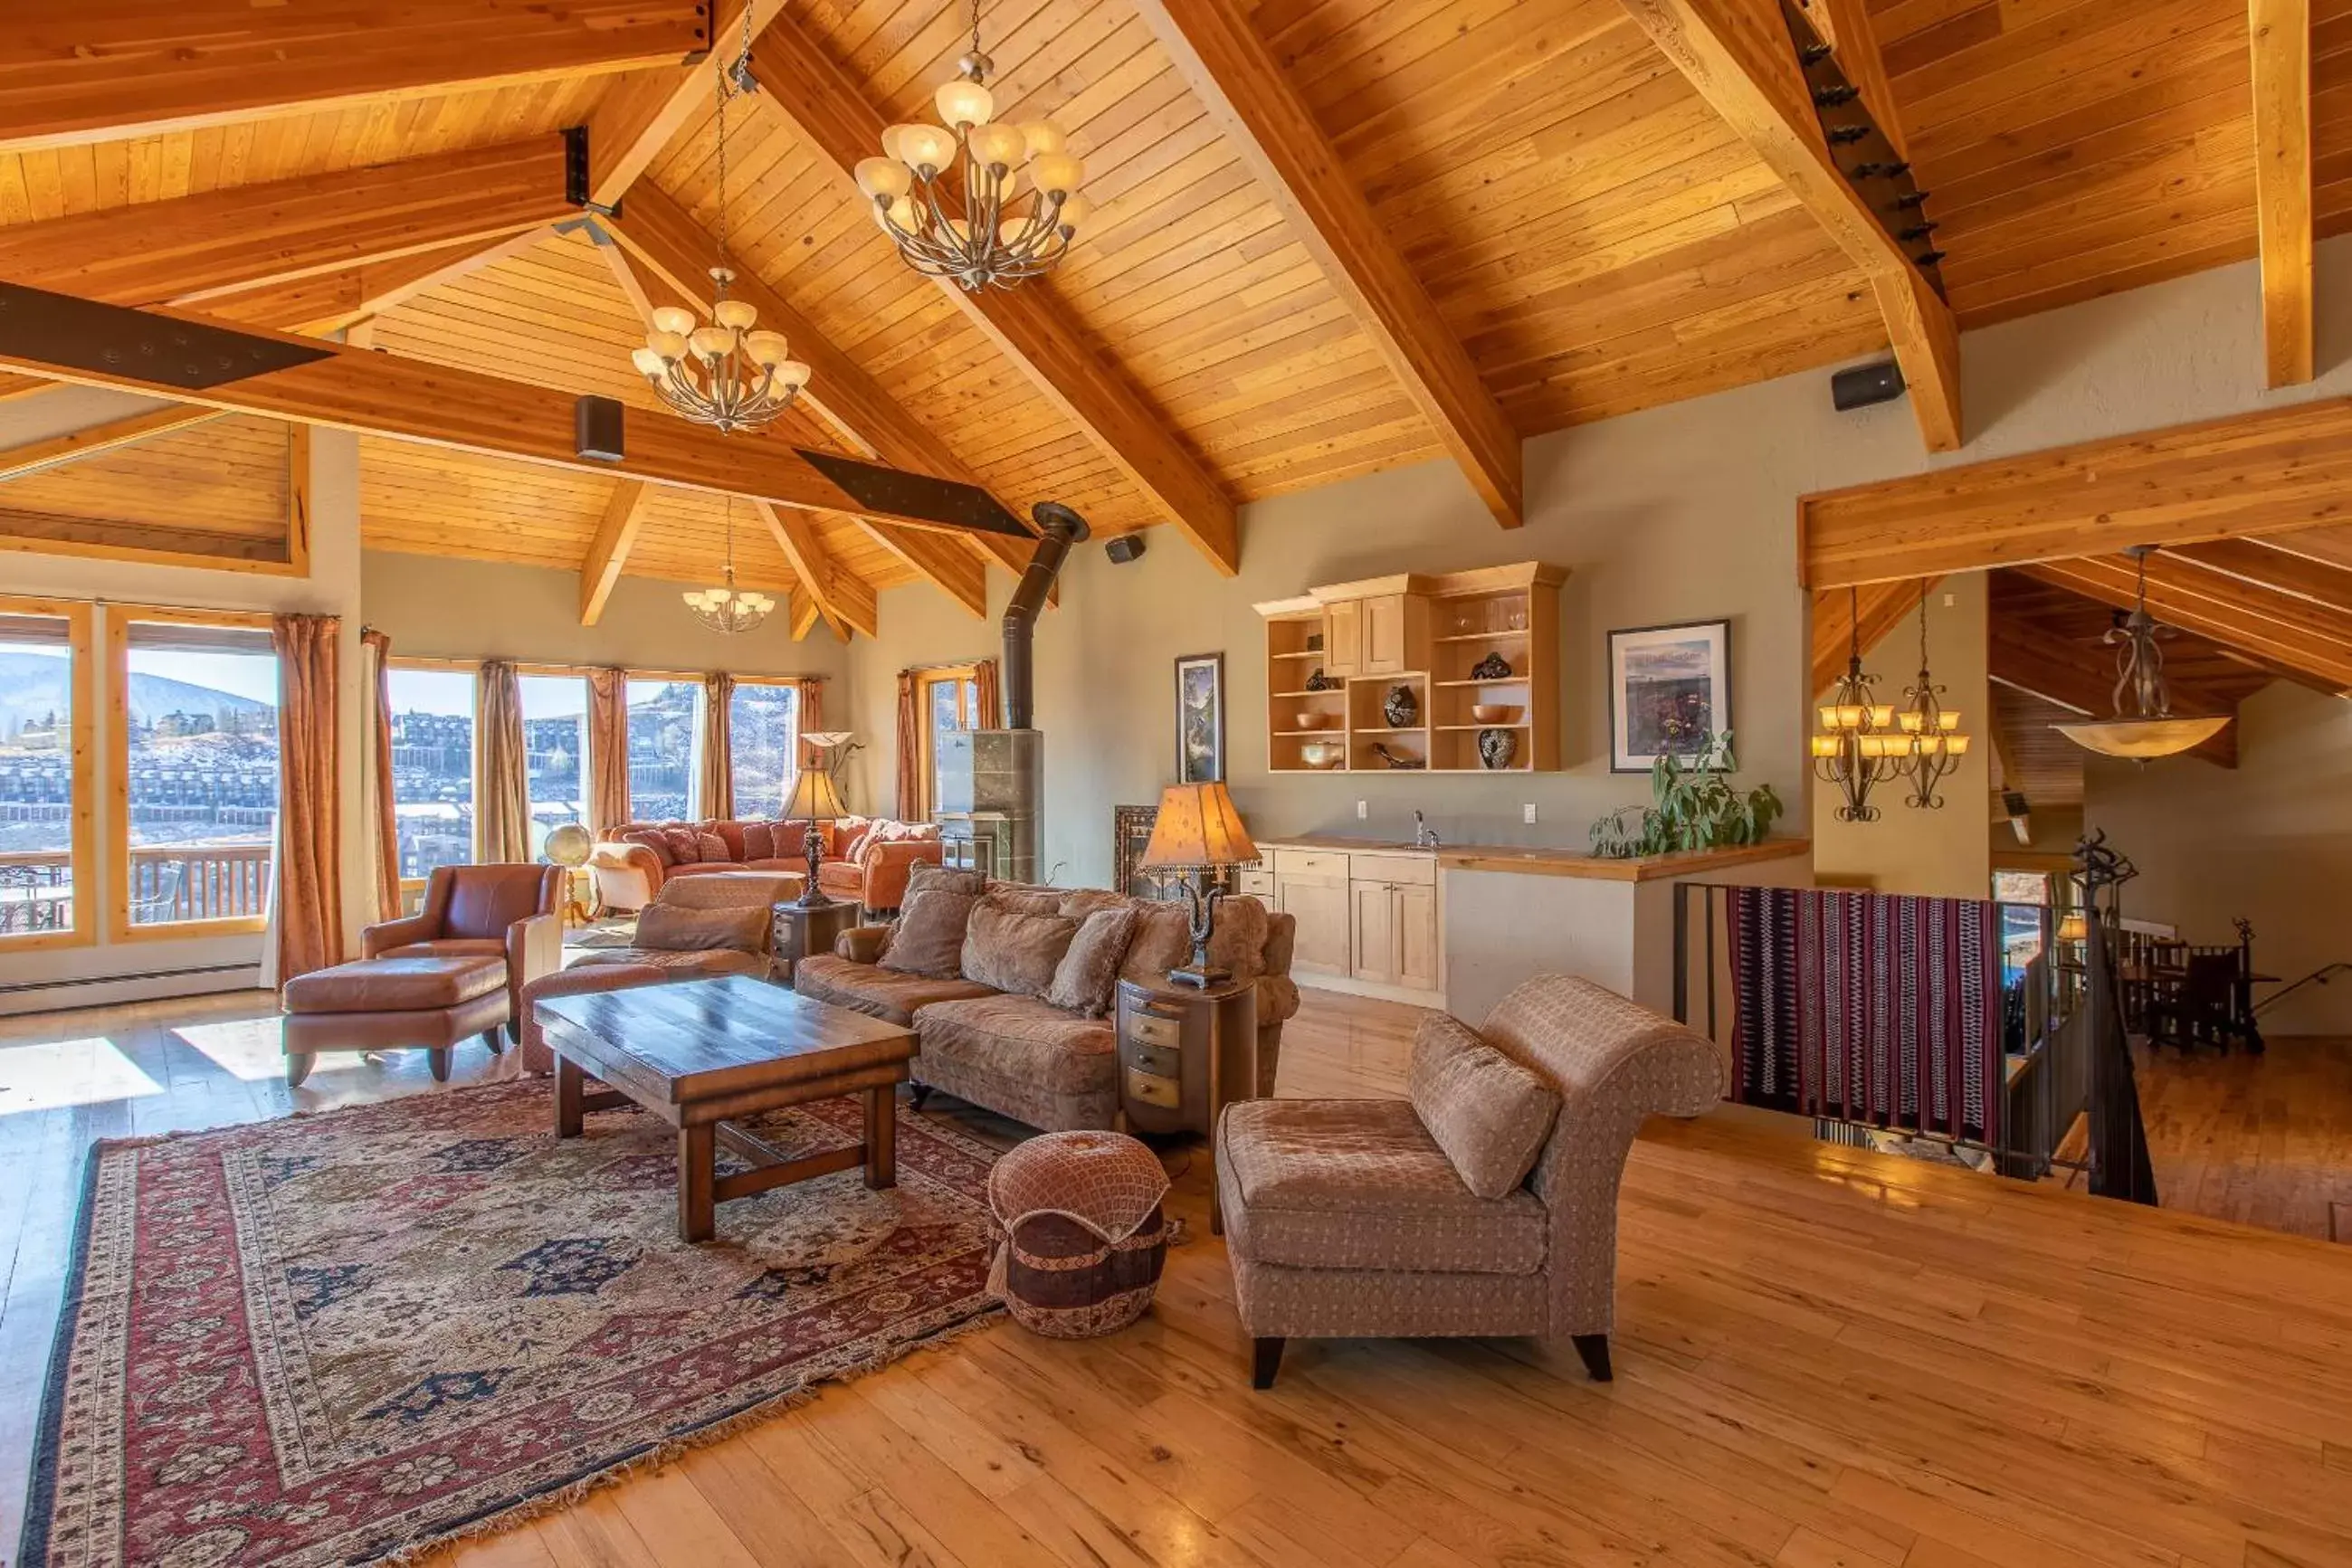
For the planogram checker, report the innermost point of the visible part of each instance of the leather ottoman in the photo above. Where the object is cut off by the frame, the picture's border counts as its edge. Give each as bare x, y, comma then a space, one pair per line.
379, 1004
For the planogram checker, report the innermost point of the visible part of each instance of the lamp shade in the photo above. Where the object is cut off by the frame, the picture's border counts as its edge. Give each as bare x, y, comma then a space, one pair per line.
1198, 827
2074, 926
816, 798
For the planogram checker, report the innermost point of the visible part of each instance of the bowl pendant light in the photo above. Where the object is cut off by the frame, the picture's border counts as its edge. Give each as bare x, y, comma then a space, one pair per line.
2147, 727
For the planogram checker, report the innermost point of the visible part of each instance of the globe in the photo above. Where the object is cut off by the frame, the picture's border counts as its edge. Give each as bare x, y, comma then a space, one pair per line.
569, 845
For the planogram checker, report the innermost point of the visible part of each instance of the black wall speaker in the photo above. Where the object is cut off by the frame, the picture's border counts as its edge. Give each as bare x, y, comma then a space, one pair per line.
1864, 385
596, 429
1124, 548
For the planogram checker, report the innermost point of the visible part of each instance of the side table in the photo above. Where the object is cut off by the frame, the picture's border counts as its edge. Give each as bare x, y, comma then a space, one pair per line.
801, 929
1182, 1054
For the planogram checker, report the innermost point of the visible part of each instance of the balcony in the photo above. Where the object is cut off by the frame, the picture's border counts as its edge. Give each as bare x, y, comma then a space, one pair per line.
170, 884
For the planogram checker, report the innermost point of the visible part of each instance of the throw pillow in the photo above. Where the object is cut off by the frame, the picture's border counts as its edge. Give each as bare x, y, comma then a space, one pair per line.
790, 839
1084, 980
1488, 1114
653, 840
672, 928
1011, 951
1237, 940
759, 844
712, 847
1163, 940
924, 876
930, 936
1079, 902
1023, 900
685, 844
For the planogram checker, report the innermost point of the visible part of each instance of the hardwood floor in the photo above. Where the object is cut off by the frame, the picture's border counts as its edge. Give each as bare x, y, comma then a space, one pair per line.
1827, 1358
2261, 1140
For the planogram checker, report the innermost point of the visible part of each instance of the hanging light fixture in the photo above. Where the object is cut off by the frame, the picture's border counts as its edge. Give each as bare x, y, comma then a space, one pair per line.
1930, 732
728, 374
728, 610
1857, 746
2148, 728
984, 238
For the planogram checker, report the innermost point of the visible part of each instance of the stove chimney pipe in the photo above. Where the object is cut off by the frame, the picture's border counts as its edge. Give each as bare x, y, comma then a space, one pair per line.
1062, 527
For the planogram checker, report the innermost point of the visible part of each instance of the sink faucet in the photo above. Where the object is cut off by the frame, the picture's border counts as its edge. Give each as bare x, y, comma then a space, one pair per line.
1424, 836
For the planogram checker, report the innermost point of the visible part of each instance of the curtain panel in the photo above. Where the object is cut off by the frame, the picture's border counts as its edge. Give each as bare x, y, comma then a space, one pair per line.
309, 884
502, 773
988, 696
377, 650
717, 792
910, 748
608, 750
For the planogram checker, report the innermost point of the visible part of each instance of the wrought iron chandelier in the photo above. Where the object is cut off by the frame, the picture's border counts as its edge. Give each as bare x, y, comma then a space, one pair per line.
982, 238
2148, 728
728, 610
728, 374
1855, 750
1930, 739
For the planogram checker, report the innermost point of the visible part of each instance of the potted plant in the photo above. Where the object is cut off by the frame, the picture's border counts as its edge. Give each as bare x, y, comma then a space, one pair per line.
1692, 807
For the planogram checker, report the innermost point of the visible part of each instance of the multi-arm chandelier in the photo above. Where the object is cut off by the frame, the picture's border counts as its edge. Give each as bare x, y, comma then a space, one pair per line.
727, 374
984, 236
2148, 728
730, 608
1930, 741
1855, 750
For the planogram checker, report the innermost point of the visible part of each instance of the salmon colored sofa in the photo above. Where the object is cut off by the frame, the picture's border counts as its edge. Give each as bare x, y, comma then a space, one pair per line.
866, 860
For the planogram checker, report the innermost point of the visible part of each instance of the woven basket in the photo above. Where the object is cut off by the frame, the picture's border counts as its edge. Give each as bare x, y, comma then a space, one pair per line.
1081, 1235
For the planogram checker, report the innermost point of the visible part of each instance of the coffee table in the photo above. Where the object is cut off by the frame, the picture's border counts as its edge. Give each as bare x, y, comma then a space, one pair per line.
702, 1054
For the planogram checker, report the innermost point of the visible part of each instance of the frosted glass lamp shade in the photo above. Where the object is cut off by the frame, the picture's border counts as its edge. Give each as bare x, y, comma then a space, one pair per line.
674, 320
736, 315
1044, 136
710, 342
925, 147
1054, 171
964, 103
648, 363
1075, 211
884, 177
766, 349
2141, 738
667, 344
995, 146
792, 374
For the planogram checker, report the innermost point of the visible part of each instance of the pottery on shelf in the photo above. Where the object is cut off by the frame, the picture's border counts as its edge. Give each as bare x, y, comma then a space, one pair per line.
1496, 747
1322, 753
1494, 713
1316, 681
1318, 720
1401, 708
1493, 667
1396, 759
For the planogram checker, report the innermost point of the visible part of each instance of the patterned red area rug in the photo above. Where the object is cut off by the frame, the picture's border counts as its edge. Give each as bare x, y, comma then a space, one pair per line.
333, 1339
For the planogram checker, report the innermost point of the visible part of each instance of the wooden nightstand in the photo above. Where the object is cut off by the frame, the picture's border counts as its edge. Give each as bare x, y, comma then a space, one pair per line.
1182, 1054
800, 931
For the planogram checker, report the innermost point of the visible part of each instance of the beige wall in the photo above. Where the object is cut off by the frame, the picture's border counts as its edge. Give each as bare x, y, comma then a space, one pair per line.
2270, 840
1943, 853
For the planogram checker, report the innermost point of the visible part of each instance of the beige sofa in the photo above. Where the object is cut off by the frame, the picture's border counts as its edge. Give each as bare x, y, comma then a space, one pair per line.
1018, 1055
1348, 1218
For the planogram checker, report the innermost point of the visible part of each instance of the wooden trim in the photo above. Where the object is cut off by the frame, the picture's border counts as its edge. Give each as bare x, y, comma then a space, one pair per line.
82, 829
846, 601
608, 553
2304, 637
298, 500
56, 533
2280, 39
58, 451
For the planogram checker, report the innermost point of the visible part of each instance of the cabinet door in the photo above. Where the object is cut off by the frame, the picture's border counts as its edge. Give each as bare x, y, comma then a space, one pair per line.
1383, 634
1417, 947
1375, 931
1320, 944
1343, 638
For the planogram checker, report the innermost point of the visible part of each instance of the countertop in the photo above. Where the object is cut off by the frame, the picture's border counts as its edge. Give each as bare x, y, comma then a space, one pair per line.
1543, 859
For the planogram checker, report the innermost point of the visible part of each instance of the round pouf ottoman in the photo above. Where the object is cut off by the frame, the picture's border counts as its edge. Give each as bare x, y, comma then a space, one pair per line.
1081, 1235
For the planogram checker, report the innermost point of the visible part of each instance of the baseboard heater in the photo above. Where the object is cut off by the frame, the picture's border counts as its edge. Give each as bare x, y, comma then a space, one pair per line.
23, 987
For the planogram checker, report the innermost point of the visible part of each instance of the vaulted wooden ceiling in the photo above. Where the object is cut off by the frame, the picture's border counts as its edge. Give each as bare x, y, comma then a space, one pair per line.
1332, 236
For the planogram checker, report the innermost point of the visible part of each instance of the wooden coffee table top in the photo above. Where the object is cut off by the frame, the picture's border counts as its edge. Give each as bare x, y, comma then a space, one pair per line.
703, 1038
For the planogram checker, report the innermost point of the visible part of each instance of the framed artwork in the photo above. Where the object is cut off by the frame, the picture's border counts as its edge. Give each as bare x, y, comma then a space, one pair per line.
1669, 692
1200, 718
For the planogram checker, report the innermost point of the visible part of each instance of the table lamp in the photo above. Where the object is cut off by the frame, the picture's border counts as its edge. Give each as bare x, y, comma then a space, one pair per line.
816, 800
1197, 831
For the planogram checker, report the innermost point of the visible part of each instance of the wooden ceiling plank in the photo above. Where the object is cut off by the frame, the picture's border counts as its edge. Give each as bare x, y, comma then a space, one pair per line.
608, 553
953, 571
1738, 55
2111, 582
1882, 607
1234, 74
835, 118
846, 602
72, 73
639, 114
2281, 33
51, 533
37, 456
2270, 564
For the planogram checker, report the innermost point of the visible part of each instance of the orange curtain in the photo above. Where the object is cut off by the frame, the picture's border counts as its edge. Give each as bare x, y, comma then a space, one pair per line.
910, 748
988, 696
717, 747
608, 751
503, 775
309, 830
387, 822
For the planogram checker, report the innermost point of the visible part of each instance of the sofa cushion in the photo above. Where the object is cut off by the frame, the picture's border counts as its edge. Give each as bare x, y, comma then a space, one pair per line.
650, 839
689, 961
450, 947
1359, 1184
1023, 1040
759, 841
1237, 940
1162, 941
712, 847
394, 985
729, 833
851, 835
871, 989
1011, 951
1487, 1113
728, 886
930, 936
1084, 980
673, 927
924, 875
789, 840
1081, 902
685, 844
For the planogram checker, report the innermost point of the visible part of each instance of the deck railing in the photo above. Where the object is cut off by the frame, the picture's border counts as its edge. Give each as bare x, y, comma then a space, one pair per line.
169, 884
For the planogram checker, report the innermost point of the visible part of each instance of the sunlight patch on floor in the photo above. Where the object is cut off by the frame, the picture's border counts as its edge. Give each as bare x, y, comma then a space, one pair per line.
62, 1073
251, 1050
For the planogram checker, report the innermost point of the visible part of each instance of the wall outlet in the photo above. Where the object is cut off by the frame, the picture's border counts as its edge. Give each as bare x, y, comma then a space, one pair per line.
1363, 809
1527, 812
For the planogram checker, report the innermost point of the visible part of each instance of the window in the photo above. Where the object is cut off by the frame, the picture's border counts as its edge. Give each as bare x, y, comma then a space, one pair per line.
555, 748
763, 727
46, 680
432, 767
196, 756
664, 728
949, 700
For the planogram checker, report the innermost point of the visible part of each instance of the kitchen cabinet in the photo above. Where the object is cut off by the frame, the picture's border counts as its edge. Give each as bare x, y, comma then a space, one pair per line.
1368, 919
1343, 638
1312, 888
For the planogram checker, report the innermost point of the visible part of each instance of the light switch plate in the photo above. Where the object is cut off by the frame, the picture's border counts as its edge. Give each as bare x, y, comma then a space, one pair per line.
1527, 812
1363, 809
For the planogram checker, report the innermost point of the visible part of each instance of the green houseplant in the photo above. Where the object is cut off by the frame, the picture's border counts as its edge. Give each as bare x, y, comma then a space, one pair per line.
1691, 807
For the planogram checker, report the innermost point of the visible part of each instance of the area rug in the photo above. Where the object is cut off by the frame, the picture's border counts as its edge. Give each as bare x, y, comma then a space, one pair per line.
333, 1339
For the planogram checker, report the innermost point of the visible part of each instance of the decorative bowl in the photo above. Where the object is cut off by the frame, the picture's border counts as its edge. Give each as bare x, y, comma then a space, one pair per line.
1322, 753
1494, 713
1318, 720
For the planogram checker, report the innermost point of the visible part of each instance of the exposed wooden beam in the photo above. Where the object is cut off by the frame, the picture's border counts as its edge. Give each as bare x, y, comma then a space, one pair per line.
2025, 657
639, 114
157, 544
2256, 562
1036, 333
805, 612
938, 560
74, 72
2280, 39
845, 600
1738, 55
249, 236
1237, 78
608, 553
37, 456
2253, 473
2314, 642
1845, 25
1882, 607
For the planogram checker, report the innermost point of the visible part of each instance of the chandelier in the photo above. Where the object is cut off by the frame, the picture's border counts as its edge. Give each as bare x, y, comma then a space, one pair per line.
1857, 749
728, 610
2150, 729
728, 374
1930, 739
984, 236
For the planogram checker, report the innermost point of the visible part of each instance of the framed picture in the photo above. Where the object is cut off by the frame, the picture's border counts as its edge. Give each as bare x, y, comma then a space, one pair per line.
1200, 718
1669, 692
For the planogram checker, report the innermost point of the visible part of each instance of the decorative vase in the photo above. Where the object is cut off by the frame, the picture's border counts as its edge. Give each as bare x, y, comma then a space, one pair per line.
1493, 667
1403, 709
1316, 681
1496, 747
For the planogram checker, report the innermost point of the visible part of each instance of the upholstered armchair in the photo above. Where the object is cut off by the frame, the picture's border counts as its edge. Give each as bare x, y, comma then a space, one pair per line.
510, 911
1483, 1205
875, 874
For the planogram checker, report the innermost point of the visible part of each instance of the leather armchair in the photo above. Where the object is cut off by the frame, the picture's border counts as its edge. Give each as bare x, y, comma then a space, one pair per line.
878, 877
510, 911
